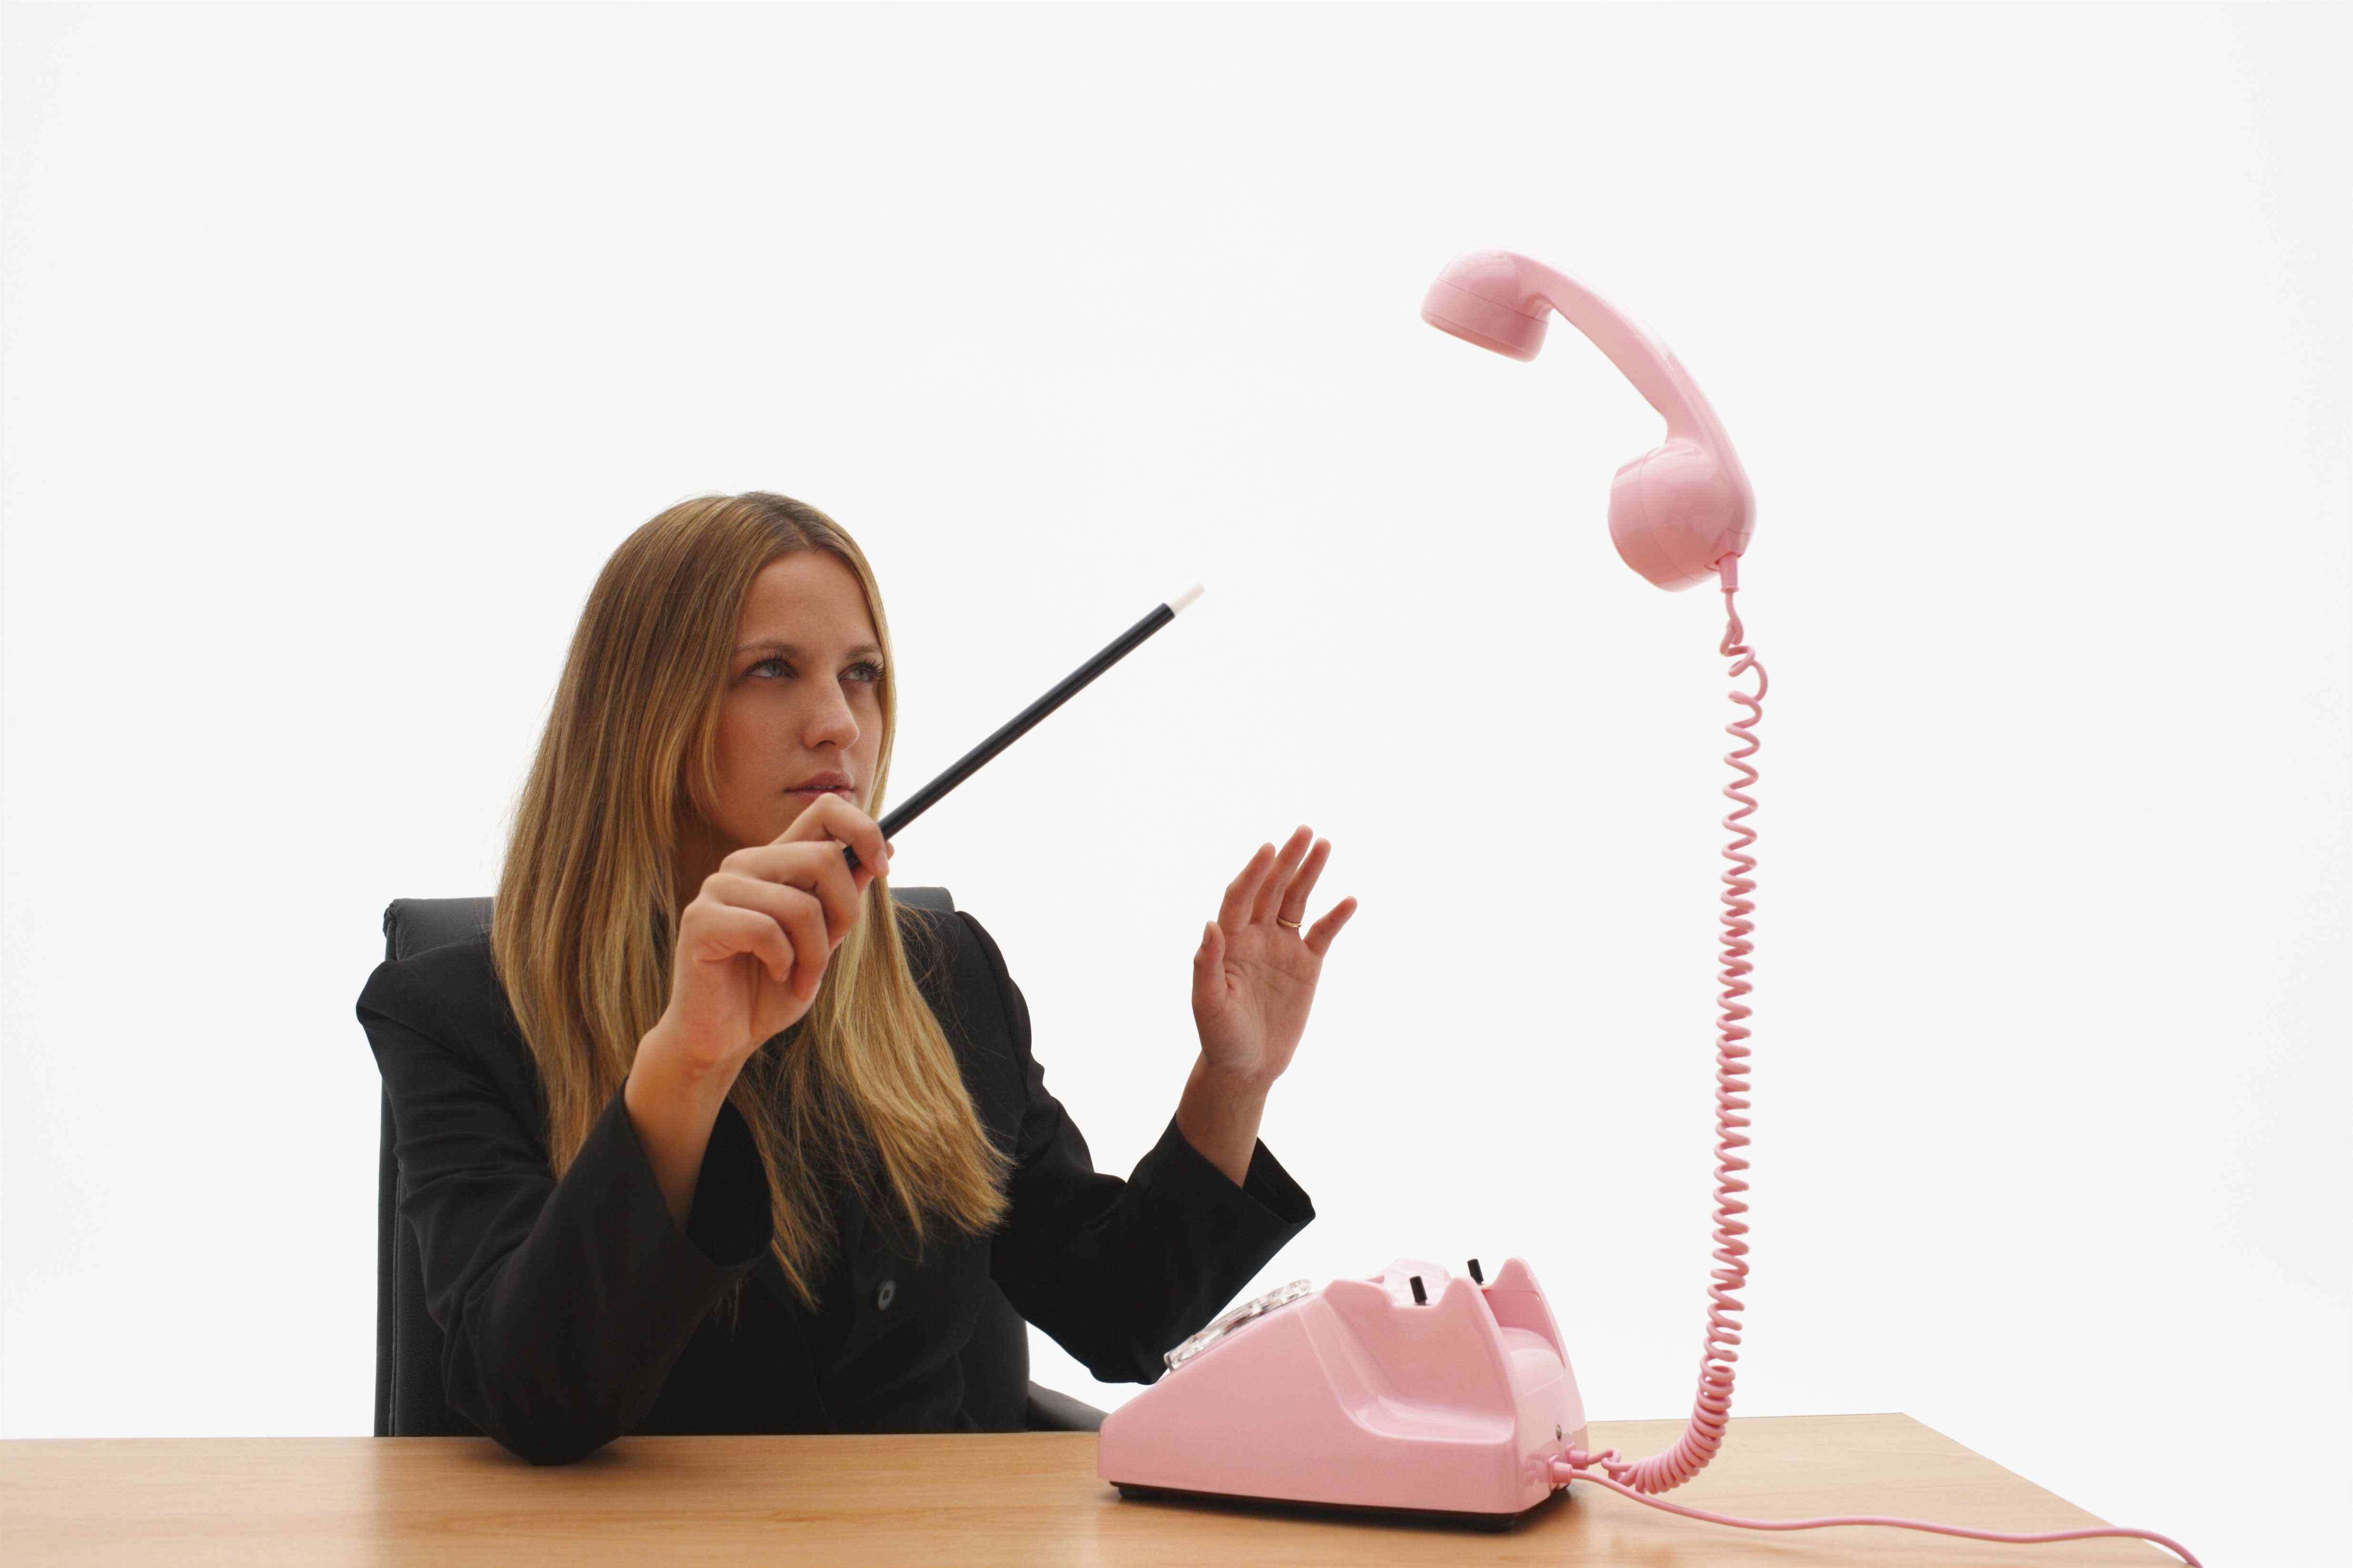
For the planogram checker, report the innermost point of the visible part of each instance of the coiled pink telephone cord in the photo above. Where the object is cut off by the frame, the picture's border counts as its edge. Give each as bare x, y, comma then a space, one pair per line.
1704, 1433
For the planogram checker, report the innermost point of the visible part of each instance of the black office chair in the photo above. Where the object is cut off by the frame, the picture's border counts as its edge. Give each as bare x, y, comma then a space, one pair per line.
409, 1401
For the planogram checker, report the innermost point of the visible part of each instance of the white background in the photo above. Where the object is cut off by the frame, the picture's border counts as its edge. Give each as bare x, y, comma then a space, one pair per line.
342, 344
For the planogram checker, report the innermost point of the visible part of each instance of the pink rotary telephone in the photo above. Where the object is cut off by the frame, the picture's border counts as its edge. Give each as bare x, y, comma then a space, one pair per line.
1415, 1392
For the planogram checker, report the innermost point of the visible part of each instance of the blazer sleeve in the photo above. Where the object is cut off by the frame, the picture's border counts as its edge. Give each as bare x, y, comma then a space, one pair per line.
1119, 1272
563, 1304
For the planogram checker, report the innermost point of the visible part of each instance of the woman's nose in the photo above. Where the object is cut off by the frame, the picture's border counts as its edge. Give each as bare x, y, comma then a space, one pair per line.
836, 722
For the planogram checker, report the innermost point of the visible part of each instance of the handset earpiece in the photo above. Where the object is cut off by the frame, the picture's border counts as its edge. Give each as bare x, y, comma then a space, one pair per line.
1680, 509
1677, 513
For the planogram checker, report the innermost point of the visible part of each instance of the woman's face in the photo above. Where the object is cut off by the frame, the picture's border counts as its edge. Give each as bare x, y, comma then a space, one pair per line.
804, 700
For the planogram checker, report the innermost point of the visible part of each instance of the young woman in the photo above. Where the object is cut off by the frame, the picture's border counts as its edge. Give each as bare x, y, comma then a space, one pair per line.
695, 1049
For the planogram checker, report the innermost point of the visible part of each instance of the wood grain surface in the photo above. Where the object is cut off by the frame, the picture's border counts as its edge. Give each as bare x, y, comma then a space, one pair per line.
930, 1500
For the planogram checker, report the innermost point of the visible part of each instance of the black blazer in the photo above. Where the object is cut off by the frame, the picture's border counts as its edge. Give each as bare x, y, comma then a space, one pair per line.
576, 1310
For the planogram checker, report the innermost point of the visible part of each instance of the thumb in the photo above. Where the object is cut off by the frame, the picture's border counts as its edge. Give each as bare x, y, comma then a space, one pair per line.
1208, 972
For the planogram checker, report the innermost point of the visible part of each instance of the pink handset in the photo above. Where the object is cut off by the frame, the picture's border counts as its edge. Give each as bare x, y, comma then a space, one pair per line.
1680, 508
1415, 1391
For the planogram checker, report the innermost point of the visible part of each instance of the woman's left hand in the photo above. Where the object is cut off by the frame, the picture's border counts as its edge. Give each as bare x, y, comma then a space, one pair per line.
1253, 980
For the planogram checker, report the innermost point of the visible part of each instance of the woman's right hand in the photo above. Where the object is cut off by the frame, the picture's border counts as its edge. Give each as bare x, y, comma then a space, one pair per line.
754, 944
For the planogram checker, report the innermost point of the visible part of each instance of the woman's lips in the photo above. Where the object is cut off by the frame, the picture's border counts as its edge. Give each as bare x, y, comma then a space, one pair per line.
844, 792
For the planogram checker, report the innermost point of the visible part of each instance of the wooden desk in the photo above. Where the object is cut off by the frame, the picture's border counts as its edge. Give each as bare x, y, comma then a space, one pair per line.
933, 1501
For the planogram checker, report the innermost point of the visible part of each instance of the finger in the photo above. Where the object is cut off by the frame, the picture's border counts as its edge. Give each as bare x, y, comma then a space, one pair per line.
805, 925
1234, 913
1279, 879
831, 818
1320, 934
1294, 899
733, 931
815, 867
796, 913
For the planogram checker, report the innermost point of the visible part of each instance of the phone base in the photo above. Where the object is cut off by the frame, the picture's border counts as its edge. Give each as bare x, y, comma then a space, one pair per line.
1409, 1392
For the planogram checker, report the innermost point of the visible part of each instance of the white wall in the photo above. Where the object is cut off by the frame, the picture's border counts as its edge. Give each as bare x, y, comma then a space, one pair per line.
343, 345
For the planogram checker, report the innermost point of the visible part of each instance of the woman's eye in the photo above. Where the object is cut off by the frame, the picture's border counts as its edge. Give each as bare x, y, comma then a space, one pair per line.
874, 675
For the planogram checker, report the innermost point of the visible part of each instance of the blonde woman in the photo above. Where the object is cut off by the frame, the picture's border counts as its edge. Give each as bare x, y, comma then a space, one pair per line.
695, 1051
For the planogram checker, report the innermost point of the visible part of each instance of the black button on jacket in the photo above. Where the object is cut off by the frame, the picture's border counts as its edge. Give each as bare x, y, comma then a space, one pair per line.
576, 1310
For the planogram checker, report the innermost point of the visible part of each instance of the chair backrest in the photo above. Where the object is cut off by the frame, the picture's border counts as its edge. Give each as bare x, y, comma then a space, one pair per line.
409, 1401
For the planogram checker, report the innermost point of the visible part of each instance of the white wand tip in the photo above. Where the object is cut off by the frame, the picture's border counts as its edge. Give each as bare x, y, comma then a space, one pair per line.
1177, 606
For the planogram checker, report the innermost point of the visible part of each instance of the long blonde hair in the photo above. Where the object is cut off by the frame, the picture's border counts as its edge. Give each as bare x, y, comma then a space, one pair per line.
865, 1087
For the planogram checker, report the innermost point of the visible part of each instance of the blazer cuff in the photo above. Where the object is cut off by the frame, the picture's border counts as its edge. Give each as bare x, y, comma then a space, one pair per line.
1268, 1203
729, 1225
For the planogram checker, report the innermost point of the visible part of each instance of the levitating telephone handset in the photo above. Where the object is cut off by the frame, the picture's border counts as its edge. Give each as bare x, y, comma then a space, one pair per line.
1416, 1391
